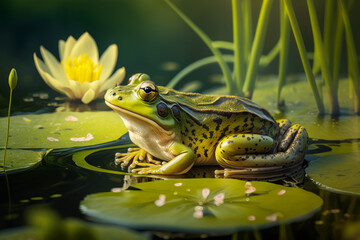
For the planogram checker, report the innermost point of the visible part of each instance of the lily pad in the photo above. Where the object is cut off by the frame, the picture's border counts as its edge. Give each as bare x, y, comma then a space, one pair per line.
19, 160
337, 173
80, 159
63, 129
99, 232
202, 205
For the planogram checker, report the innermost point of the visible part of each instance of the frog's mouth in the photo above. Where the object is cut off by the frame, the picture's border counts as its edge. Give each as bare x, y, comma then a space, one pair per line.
129, 118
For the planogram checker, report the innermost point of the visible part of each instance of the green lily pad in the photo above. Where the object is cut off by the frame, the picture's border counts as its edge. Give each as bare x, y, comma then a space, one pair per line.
202, 205
80, 159
99, 232
62, 129
337, 173
301, 108
19, 160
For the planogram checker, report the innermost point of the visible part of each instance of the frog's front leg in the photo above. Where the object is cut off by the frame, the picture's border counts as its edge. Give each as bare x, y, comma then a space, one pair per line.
184, 159
135, 157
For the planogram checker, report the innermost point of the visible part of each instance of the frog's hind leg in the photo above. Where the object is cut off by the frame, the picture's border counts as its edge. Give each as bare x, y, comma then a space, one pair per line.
233, 150
292, 155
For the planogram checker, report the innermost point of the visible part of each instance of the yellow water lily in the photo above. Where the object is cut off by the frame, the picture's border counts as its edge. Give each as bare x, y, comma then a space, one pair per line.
80, 74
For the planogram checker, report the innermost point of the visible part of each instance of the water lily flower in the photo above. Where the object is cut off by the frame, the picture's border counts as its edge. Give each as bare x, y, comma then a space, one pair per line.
80, 74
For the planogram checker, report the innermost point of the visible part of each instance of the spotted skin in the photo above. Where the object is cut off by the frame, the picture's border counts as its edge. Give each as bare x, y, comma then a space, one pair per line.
204, 138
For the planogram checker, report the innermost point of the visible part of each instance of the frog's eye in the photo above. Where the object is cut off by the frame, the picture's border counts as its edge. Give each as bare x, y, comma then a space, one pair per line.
148, 91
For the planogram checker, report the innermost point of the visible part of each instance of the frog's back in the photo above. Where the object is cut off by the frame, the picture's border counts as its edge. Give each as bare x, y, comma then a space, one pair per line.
199, 105
209, 118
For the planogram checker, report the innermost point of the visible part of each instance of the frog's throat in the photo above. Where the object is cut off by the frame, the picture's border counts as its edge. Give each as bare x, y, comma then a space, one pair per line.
122, 111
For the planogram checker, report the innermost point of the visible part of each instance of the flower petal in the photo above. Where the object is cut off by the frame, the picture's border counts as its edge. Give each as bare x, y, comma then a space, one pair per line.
117, 77
88, 96
61, 49
86, 44
77, 89
49, 80
56, 69
108, 61
70, 42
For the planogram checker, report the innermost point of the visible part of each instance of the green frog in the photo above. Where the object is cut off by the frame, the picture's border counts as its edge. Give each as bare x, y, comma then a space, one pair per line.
175, 131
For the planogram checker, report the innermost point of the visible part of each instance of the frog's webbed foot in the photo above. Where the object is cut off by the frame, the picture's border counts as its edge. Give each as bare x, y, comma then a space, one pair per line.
135, 157
148, 169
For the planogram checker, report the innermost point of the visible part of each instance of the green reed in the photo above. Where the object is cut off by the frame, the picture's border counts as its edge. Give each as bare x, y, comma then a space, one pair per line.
13, 78
247, 50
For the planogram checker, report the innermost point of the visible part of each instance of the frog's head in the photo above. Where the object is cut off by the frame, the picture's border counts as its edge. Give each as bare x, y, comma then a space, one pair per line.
140, 100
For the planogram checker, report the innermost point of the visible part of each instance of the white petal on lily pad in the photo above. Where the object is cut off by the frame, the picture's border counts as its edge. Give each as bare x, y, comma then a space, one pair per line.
86, 44
56, 69
70, 42
49, 80
116, 78
108, 61
88, 96
61, 49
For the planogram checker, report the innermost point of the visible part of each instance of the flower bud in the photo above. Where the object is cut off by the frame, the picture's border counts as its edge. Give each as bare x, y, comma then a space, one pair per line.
13, 78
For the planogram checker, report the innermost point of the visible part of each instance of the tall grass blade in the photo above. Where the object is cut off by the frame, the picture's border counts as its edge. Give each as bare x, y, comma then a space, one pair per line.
239, 50
303, 54
257, 48
284, 50
194, 66
224, 67
352, 55
332, 93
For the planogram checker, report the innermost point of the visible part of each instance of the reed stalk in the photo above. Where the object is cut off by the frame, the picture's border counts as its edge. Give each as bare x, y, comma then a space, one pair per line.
332, 93
303, 54
257, 48
223, 66
352, 56
239, 47
284, 50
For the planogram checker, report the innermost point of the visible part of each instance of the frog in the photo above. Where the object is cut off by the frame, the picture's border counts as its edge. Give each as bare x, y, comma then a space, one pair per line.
176, 130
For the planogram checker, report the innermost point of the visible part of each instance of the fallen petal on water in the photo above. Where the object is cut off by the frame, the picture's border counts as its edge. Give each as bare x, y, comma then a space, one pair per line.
51, 139
71, 118
205, 192
281, 192
198, 214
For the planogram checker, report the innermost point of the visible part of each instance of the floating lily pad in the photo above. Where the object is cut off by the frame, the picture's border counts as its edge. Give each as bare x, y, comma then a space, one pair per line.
202, 205
336, 172
100, 232
80, 159
19, 160
301, 108
63, 129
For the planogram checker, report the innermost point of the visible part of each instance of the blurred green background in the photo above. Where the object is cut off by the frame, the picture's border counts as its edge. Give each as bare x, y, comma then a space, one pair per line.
148, 34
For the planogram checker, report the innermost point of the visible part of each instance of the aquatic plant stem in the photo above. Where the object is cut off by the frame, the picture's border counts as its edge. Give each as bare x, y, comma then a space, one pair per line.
352, 56
247, 28
6, 145
303, 54
239, 50
224, 67
257, 48
332, 93
284, 50
329, 30
195, 65
338, 42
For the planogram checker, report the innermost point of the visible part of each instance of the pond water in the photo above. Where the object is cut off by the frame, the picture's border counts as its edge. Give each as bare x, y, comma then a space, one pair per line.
68, 174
